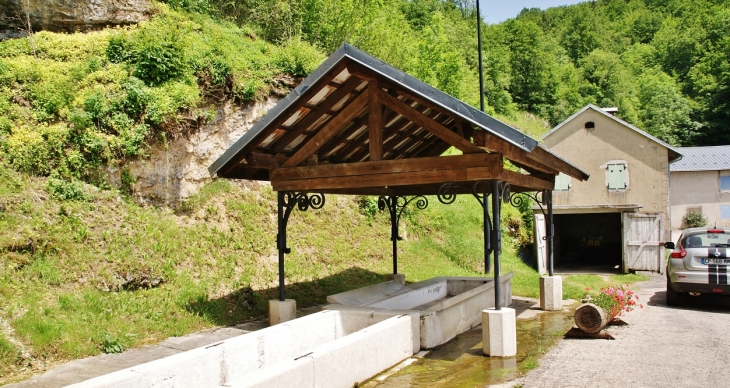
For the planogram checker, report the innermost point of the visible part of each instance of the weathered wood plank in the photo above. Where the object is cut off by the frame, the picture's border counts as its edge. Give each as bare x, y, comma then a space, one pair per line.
437, 129
232, 164
527, 181
328, 130
376, 180
267, 161
375, 125
323, 108
493, 162
514, 153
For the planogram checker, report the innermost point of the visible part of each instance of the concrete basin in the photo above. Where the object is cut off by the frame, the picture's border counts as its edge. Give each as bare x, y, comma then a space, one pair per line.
330, 348
447, 306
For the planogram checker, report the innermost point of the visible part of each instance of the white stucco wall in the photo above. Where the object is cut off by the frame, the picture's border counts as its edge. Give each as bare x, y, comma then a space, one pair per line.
698, 189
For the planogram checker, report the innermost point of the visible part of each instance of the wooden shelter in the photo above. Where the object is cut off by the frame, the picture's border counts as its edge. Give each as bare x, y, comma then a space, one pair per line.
359, 126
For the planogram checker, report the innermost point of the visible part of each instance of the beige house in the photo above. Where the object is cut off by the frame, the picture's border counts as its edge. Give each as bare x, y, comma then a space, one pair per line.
616, 220
701, 184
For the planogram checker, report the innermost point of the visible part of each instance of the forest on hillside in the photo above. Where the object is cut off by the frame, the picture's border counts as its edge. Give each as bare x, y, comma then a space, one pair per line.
665, 64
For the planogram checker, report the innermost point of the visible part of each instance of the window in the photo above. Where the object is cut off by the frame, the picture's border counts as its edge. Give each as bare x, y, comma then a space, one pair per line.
562, 182
725, 183
617, 176
725, 212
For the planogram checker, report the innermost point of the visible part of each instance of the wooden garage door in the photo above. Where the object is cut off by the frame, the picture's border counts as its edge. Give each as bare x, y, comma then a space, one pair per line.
643, 249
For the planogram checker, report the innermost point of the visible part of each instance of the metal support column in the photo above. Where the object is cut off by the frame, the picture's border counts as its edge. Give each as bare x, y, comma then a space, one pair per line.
496, 241
549, 230
282, 216
395, 205
286, 201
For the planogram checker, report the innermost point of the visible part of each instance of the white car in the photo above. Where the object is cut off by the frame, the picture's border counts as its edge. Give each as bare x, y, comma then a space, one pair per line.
698, 263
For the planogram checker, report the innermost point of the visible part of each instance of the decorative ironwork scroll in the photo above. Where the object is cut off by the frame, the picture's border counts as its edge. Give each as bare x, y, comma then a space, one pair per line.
540, 198
395, 205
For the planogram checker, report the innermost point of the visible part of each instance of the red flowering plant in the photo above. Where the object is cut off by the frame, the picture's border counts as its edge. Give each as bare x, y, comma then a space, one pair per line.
615, 301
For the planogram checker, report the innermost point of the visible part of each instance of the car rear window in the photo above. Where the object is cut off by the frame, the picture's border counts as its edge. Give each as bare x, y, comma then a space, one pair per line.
706, 240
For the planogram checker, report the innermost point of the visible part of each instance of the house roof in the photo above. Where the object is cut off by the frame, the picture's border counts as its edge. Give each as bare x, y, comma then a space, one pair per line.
319, 137
674, 153
713, 158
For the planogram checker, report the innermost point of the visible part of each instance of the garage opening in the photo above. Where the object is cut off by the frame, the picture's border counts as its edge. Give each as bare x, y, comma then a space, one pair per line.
588, 243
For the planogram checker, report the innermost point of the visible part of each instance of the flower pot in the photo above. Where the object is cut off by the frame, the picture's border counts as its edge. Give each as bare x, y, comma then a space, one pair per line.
591, 318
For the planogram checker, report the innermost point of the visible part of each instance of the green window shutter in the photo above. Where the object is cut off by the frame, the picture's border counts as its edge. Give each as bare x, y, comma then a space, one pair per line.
616, 174
562, 182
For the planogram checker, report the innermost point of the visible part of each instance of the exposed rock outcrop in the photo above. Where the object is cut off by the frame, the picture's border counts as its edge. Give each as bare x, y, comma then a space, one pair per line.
177, 170
68, 15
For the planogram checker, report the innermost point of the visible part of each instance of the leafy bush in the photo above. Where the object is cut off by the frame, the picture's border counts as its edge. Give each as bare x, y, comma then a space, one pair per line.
694, 219
82, 101
65, 190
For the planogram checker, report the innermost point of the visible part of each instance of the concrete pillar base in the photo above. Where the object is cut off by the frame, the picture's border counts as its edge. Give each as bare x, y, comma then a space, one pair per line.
551, 293
399, 278
282, 311
499, 332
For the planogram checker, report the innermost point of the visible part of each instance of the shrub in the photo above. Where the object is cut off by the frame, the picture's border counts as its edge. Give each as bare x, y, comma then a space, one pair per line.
65, 190
694, 219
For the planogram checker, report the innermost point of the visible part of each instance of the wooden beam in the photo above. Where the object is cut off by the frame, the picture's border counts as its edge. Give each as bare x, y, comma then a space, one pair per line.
541, 155
267, 161
375, 125
377, 180
323, 108
527, 181
328, 130
439, 163
437, 129
514, 153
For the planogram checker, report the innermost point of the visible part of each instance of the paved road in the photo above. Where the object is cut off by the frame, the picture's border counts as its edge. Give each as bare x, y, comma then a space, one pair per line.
662, 346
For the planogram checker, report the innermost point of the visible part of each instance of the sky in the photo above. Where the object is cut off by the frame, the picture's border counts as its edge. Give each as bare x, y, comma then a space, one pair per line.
497, 11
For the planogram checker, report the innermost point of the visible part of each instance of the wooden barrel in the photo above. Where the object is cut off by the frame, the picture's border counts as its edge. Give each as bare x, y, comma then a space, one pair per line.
590, 318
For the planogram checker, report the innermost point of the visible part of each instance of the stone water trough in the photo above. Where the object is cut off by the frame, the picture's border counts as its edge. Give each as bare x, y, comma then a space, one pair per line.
330, 348
447, 306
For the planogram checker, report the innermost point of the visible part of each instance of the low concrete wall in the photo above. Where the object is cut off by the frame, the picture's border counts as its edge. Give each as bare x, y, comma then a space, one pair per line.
326, 349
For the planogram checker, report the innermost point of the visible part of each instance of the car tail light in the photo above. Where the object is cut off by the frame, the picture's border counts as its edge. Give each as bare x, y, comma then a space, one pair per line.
715, 231
680, 254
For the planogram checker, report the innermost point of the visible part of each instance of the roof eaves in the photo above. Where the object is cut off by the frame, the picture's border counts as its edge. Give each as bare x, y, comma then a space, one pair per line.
277, 110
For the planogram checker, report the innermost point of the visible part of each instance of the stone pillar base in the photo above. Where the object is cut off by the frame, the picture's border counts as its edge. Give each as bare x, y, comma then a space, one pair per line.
499, 332
399, 278
551, 293
282, 311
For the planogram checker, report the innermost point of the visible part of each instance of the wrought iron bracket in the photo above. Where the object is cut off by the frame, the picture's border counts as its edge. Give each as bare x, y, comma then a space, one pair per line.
303, 202
540, 198
395, 205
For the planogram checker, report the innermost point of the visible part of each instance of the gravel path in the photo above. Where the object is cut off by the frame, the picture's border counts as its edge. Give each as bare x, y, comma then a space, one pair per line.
661, 347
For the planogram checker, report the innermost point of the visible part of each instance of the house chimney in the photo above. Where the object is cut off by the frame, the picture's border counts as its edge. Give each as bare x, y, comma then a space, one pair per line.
612, 110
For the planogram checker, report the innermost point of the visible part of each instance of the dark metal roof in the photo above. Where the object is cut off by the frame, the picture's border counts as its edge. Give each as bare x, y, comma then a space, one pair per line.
714, 158
329, 114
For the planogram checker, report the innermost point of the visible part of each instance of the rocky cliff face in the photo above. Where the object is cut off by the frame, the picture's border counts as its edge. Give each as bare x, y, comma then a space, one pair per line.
68, 15
178, 169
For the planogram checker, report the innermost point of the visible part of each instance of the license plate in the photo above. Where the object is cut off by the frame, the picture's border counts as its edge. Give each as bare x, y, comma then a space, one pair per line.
709, 261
